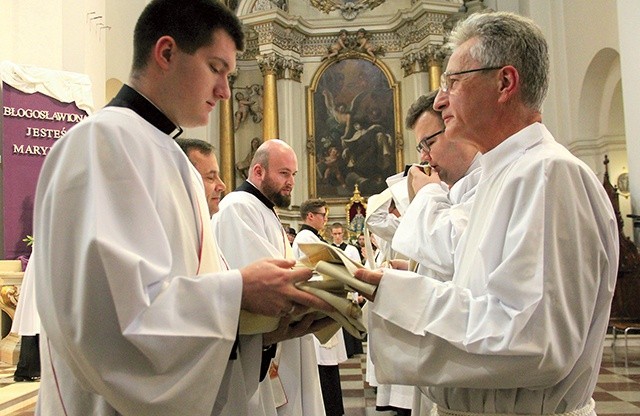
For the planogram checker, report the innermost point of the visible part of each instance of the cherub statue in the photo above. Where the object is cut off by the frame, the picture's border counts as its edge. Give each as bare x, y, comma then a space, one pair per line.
363, 44
255, 98
340, 45
244, 107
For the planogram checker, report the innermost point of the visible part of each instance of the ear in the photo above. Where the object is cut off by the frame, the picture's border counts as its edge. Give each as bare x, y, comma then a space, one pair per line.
164, 50
509, 83
258, 171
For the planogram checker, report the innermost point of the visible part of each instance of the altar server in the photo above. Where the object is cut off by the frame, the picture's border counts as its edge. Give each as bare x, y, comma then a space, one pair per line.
253, 230
520, 327
432, 225
137, 318
330, 354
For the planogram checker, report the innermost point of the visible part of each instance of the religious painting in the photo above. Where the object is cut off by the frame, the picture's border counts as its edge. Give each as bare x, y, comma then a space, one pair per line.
354, 128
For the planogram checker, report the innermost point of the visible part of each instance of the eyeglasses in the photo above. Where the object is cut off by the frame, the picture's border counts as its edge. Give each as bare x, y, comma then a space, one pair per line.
324, 214
424, 145
445, 78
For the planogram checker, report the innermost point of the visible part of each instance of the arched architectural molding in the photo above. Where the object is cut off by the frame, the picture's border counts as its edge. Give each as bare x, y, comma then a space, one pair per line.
604, 65
613, 117
600, 121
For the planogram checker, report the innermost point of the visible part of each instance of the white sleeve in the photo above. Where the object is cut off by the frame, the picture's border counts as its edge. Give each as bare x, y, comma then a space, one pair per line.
117, 291
430, 230
248, 228
519, 315
382, 223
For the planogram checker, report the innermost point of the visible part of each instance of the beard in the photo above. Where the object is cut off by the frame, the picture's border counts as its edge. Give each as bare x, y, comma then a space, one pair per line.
281, 201
273, 194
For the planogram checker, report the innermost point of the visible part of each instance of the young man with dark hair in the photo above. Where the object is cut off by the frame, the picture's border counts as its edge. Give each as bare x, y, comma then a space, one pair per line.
139, 315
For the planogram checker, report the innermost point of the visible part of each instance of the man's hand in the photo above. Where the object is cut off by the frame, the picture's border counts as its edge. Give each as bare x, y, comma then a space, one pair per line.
418, 178
399, 264
288, 330
369, 276
268, 288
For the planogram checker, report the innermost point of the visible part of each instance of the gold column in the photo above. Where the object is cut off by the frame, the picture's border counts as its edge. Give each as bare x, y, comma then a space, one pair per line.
227, 145
270, 128
431, 60
435, 70
272, 68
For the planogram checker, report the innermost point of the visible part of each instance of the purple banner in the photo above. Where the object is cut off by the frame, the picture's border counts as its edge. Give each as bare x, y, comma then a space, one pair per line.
31, 123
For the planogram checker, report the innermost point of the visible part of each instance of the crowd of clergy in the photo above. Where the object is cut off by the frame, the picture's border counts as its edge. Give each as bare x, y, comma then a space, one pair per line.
494, 256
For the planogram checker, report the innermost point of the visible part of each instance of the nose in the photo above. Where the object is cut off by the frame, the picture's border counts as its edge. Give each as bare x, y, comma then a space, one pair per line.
220, 186
424, 156
222, 90
441, 101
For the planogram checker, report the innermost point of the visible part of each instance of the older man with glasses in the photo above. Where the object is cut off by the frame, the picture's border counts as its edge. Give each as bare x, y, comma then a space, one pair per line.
519, 330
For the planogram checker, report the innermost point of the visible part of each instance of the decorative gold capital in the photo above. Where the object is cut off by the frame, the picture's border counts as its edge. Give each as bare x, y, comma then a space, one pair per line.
271, 64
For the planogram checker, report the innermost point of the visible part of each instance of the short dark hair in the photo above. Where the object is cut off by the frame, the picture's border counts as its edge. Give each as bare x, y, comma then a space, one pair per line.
336, 225
189, 22
311, 205
190, 144
423, 104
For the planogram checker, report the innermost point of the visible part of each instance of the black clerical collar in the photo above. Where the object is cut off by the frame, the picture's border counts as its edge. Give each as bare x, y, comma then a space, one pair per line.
247, 186
341, 246
129, 98
313, 230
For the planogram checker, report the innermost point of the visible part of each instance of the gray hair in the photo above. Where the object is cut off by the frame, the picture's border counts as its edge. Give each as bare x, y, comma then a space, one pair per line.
509, 39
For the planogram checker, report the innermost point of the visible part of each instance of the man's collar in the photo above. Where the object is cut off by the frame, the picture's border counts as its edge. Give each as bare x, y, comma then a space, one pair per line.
313, 230
247, 186
127, 97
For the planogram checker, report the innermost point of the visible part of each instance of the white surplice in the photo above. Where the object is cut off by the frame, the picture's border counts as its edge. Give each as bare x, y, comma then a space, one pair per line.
137, 319
520, 328
332, 352
26, 320
434, 221
384, 225
352, 253
253, 231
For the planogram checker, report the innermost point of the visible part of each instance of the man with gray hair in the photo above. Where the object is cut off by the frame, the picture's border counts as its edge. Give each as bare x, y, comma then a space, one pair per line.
520, 327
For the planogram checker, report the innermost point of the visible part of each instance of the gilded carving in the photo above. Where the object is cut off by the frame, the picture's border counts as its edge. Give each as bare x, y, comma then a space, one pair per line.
345, 44
271, 64
9, 296
348, 9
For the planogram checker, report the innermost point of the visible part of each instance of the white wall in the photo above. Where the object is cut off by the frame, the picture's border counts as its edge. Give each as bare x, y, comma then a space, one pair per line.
56, 34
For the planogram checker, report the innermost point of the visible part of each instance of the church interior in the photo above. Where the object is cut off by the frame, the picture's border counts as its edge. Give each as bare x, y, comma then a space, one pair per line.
311, 66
